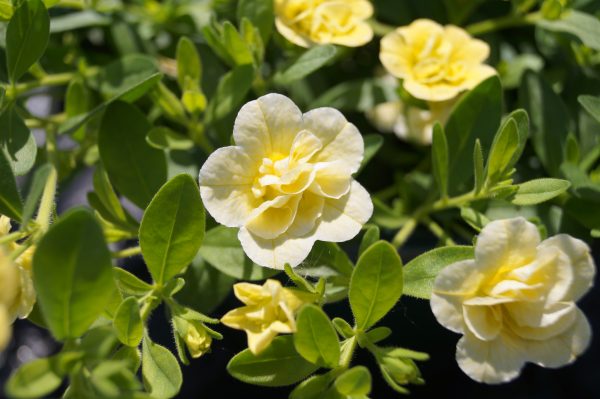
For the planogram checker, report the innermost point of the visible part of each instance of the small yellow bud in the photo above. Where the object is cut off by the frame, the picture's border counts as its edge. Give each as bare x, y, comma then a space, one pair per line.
197, 339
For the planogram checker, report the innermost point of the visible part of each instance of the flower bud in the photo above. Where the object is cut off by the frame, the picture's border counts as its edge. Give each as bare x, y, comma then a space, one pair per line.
194, 334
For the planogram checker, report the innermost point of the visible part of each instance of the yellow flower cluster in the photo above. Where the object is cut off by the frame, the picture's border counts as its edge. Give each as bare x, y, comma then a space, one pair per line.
310, 22
515, 302
269, 311
17, 295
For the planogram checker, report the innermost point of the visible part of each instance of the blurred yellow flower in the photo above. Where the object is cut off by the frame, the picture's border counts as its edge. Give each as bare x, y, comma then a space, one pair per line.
269, 311
515, 302
436, 63
24, 298
410, 123
288, 180
310, 22
9, 283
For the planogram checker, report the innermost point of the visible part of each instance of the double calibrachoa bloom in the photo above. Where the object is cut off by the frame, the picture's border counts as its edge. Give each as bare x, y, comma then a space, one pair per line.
288, 180
515, 302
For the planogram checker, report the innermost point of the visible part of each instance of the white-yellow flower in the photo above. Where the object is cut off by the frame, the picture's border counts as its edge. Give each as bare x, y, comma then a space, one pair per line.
515, 302
269, 311
9, 284
408, 122
288, 180
435, 62
310, 22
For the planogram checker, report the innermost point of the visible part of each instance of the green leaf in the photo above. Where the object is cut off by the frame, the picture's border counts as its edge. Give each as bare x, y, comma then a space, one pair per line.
36, 189
478, 170
10, 199
35, 379
420, 273
354, 382
172, 228
128, 323
129, 284
475, 219
342, 327
136, 170
506, 143
439, 159
315, 338
476, 115
222, 249
278, 365
307, 63
162, 138
189, 66
72, 274
26, 37
124, 73
591, 104
128, 94
549, 120
78, 20
373, 143
260, 13
539, 190
231, 91
160, 370
77, 102
376, 284
236, 46
585, 26
371, 237
313, 387
17, 142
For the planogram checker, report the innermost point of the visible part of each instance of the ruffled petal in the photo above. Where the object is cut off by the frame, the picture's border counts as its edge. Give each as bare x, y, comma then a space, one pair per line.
343, 218
485, 322
273, 218
267, 126
490, 362
534, 322
309, 210
275, 253
5, 328
360, 35
226, 180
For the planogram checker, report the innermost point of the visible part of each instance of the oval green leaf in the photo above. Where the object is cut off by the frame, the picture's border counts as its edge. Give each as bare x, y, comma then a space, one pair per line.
72, 274
376, 284
160, 370
420, 273
354, 382
539, 190
308, 63
17, 142
278, 365
128, 322
35, 379
10, 199
315, 338
135, 168
172, 228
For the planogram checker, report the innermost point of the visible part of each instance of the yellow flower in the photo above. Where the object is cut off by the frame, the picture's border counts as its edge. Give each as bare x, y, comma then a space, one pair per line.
21, 303
288, 180
309, 22
9, 283
410, 123
269, 311
515, 302
197, 339
5, 330
435, 62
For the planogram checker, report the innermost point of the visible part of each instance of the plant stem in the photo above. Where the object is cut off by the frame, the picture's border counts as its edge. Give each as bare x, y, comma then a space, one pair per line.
58, 79
405, 232
47, 202
509, 21
438, 231
127, 252
380, 29
12, 237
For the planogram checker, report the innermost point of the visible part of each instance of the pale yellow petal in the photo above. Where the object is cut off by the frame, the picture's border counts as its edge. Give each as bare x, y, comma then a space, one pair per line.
564, 348
5, 328
341, 140
275, 253
291, 35
343, 218
273, 218
259, 341
396, 54
450, 287
333, 180
490, 362
4, 225
309, 210
360, 35
226, 180
506, 243
250, 294
536, 322
582, 263
267, 125
476, 75
437, 92
484, 322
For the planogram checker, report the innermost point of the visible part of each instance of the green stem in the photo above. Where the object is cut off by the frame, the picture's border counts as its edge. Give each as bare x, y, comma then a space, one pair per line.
405, 232
509, 21
7, 239
126, 253
438, 231
58, 79
380, 29
47, 202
